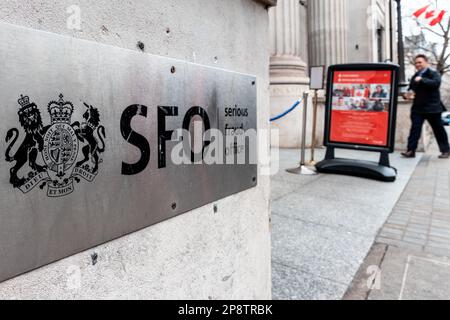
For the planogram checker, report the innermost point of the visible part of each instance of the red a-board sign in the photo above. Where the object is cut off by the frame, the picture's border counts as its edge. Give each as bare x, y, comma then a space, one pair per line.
361, 106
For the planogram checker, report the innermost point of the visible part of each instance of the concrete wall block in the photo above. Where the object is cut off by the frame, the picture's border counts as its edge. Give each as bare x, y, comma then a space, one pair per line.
199, 255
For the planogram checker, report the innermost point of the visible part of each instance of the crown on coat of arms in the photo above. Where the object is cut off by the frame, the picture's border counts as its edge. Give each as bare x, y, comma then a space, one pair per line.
25, 105
60, 111
24, 101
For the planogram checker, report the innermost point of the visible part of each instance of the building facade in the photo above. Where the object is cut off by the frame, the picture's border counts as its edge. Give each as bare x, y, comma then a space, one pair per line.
322, 32
373, 41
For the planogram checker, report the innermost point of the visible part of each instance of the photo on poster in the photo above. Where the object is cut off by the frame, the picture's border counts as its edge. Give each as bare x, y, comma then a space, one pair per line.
360, 104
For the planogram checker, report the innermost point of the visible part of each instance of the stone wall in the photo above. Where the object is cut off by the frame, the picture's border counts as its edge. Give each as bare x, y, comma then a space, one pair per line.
203, 254
404, 127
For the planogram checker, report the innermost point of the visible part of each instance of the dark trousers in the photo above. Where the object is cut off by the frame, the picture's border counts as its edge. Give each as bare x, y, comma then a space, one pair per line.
435, 121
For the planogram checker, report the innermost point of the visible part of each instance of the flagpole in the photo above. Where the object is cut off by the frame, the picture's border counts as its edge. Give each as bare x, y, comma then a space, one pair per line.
391, 32
401, 47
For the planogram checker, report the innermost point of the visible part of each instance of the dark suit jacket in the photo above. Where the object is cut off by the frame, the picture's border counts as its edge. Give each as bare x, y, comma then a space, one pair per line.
428, 96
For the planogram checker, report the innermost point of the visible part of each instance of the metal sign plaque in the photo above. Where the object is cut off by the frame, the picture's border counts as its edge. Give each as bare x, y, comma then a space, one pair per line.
94, 143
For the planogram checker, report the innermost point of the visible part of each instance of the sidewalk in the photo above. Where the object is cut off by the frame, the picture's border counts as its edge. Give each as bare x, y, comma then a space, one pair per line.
412, 251
325, 225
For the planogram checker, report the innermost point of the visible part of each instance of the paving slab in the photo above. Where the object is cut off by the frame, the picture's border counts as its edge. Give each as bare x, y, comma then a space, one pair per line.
329, 253
298, 285
416, 262
350, 215
413, 275
324, 225
366, 278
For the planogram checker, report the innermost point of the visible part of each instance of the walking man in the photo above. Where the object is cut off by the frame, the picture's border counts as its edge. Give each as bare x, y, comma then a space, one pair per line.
427, 105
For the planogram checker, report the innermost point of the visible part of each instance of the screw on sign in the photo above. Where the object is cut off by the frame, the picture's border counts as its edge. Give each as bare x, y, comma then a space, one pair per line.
430, 16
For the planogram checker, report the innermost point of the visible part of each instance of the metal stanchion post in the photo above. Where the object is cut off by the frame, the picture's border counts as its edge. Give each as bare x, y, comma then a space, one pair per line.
303, 170
304, 124
312, 161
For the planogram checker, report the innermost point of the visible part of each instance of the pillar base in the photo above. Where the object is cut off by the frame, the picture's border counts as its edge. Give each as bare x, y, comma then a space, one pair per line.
288, 70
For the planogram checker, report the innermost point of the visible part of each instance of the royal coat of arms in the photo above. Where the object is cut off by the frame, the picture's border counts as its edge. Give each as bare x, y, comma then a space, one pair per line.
48, 155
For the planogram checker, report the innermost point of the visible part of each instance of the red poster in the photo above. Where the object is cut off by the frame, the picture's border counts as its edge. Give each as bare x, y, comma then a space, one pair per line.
360, 107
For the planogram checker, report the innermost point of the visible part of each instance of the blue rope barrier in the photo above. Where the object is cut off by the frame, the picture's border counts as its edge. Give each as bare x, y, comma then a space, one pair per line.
296, 104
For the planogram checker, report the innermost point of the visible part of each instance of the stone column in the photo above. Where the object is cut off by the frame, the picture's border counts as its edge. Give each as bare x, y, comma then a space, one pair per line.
288, 67
288, 43
327, 29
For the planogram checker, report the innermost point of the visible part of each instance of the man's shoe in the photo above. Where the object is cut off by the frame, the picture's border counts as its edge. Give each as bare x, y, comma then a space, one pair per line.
409, 154
445, 155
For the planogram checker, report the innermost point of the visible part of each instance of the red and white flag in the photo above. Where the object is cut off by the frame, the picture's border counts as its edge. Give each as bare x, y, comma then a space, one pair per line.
430, 16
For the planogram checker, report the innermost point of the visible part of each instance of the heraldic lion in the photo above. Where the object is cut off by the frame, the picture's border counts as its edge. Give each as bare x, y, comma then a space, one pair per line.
31, 121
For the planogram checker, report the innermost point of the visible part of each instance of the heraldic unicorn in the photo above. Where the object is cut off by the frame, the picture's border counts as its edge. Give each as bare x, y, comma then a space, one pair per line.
48, 155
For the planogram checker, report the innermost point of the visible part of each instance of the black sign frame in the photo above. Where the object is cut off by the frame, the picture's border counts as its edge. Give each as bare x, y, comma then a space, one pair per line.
389, 148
